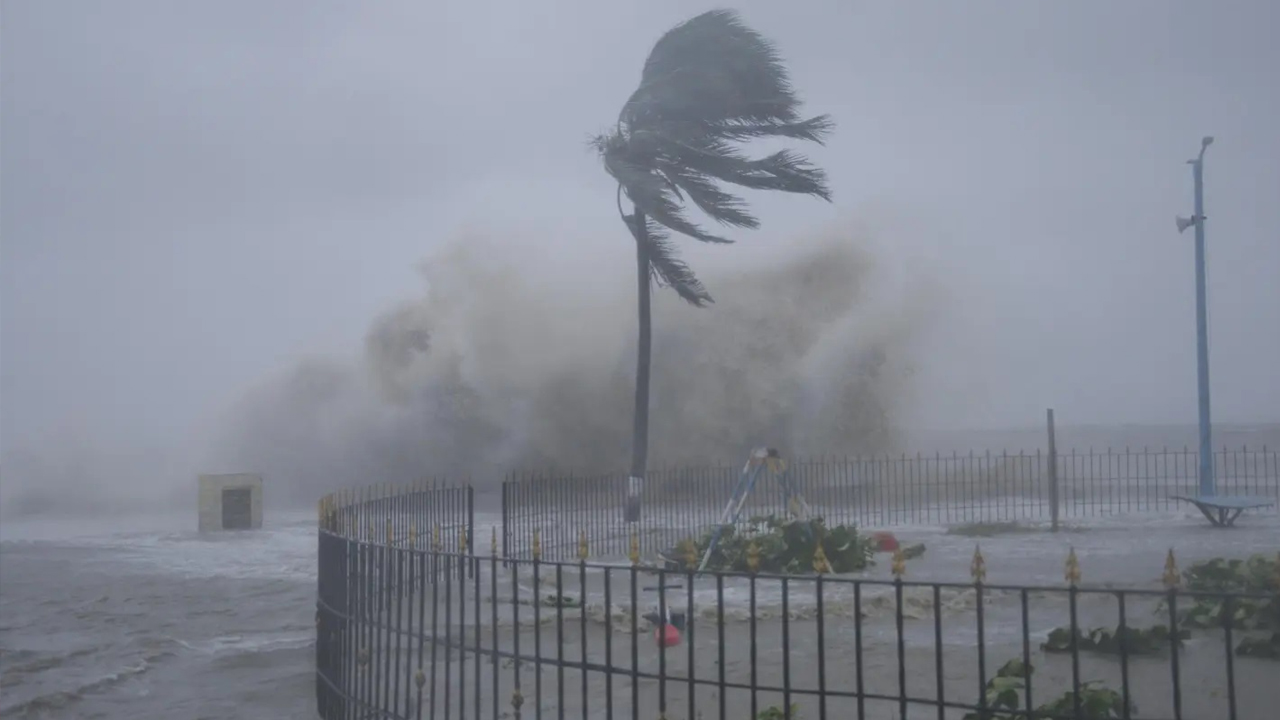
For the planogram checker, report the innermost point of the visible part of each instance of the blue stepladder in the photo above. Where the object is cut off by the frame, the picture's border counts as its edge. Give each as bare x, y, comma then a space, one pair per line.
762, 460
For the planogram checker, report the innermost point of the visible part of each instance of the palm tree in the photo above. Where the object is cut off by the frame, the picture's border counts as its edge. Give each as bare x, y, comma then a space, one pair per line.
708, 85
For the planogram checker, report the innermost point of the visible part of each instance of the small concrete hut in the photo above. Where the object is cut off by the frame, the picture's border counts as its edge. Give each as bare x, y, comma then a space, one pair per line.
230, 502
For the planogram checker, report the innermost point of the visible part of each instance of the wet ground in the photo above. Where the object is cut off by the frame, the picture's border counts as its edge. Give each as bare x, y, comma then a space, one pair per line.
142, 618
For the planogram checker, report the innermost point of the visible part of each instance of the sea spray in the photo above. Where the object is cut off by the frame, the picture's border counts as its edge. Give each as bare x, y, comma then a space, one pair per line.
502, 363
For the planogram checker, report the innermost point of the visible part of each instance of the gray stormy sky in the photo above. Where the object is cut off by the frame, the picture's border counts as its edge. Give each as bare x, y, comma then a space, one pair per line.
198, 194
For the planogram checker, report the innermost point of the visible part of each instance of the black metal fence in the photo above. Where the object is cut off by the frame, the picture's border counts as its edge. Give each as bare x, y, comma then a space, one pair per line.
879, 491
359, 529
394, 514
416, 624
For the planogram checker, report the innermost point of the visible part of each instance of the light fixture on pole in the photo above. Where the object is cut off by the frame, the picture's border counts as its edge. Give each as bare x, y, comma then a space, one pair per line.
1208, 486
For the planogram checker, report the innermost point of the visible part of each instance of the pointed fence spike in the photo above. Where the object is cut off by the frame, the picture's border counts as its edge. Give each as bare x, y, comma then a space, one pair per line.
753, 557
820, 563
978, 568
1171, 575
1072, 574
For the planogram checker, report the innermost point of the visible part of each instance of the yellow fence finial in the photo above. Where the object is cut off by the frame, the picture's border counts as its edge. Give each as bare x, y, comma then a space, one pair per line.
689, 554
435, 537
583, 550
493, 541
899, 567
1171, 576
978, 568
1072, 574
820, 563
633, 551
462, 541
753, 557
537, 544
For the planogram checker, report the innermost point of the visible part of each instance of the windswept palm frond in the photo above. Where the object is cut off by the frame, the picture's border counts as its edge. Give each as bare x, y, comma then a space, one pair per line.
667, 268
708, 84
712, 68
652, 193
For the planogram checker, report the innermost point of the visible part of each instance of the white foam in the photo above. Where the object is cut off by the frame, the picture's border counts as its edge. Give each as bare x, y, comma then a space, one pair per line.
284, 549
260, 642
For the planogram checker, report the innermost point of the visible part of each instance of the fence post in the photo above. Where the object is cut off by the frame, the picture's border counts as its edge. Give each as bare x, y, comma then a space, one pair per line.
506, 522
471, 530
1053, 473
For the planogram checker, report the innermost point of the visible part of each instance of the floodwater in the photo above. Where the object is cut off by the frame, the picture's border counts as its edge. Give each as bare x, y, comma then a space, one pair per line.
143, 618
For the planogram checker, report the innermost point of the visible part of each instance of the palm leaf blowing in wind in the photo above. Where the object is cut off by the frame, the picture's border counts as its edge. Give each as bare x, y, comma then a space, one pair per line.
709, 85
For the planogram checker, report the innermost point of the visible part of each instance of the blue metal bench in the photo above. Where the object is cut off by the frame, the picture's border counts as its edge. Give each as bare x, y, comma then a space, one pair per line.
1223, 510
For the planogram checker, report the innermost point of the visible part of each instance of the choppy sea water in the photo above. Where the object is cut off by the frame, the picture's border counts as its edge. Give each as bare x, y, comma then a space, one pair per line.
144, 618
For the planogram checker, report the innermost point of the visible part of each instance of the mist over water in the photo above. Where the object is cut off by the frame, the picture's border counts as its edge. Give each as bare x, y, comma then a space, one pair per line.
494, 367
247, 198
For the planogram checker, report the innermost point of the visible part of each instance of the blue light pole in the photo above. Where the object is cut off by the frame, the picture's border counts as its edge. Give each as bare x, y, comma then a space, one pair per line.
1207, 484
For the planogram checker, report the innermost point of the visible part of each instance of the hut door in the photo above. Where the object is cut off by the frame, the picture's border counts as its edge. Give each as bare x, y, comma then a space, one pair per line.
237, 506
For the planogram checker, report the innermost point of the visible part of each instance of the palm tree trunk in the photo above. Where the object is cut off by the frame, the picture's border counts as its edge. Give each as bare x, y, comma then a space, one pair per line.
640, 429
